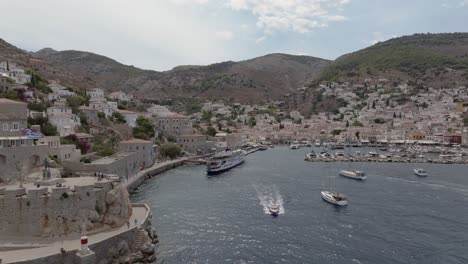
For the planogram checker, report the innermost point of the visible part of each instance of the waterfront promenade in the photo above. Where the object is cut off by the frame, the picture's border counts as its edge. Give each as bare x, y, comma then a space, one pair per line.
157, 168
70, 243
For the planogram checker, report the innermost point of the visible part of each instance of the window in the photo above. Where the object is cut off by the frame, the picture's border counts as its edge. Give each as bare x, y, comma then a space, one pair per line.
15, 126
5, 126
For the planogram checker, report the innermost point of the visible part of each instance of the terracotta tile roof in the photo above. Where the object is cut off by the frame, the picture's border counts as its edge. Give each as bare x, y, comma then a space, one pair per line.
8, 101
191, 136
135, 141
83, 135
174, 116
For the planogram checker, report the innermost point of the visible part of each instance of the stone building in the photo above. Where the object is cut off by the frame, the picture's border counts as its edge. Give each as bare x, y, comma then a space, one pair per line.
195, 144
159, 110
149, 150
174, 124
134, 156
95, 92
4, 84
19, 153
58, 151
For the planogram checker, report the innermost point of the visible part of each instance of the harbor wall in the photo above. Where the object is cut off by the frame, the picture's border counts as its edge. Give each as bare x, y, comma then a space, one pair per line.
144, 175
104, 250
60, 210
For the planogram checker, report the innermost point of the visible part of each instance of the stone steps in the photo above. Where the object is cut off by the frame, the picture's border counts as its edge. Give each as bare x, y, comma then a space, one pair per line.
139, 240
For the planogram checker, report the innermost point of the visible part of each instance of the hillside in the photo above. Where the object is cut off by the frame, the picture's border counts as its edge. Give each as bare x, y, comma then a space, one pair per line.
267, 77
433, 58
43, 68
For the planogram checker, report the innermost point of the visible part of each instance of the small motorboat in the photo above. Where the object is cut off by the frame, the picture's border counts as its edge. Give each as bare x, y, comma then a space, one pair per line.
420, 172
334, 198
353, 174
262, 147
274, 209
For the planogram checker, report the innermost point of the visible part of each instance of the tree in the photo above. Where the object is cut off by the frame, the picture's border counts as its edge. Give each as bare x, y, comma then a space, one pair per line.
387, 102
170, 150
48, 129
144, 128
211, 131
119, 118
38, 106
347, 123
357, 123
101, 115
76, 101
357, 134
394, 115
12, 95
171, 138
400, 115
252, 122
373, 104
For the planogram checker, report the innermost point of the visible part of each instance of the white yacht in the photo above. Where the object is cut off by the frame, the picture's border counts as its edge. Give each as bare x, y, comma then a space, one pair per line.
420, 172
334, 198
294, 146
224, 161
353, 174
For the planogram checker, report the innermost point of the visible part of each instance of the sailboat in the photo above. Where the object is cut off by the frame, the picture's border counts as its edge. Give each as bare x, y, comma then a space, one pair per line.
333, 197
353, 174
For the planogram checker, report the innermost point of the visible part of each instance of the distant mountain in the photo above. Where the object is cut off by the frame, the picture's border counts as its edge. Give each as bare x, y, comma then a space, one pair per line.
433, 58
267, 77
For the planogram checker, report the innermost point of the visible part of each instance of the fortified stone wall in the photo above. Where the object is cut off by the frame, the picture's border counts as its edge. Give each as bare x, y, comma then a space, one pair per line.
62, 210
31, 157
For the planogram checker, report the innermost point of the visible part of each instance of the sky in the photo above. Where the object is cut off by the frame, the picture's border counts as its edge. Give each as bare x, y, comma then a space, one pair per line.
162, 34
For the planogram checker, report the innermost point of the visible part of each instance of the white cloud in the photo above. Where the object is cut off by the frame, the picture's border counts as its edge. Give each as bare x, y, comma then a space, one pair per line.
225, 34
300, 16
379, 37
260, 40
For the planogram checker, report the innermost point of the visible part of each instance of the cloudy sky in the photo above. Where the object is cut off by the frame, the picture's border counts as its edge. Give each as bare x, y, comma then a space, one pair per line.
161, 34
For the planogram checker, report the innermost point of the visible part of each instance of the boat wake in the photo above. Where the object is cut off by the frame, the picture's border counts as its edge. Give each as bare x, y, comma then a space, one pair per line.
269, 195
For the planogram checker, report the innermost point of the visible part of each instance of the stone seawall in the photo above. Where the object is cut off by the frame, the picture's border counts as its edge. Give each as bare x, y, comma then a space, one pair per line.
146, 174
105, 250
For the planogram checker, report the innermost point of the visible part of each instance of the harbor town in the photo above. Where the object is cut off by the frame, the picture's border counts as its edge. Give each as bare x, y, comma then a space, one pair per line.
233, 131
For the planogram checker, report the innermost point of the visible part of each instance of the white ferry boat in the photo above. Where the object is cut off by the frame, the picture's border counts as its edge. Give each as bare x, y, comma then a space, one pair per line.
224, 161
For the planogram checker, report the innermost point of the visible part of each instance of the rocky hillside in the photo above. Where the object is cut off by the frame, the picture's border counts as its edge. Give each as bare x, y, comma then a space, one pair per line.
267, 77
435, 59
430, 60
44, 68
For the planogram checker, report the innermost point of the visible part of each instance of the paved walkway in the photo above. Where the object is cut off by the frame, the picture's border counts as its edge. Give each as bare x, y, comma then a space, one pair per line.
13, 256
149, 170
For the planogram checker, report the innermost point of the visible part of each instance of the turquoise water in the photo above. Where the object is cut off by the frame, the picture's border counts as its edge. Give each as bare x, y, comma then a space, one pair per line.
393, 217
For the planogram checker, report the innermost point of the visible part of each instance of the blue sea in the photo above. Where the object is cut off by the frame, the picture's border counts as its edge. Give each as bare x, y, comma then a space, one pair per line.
393, 217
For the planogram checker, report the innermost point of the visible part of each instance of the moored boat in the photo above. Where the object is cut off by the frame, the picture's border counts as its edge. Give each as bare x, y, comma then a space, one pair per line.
420, 172
224, 161
262, 147
353, 174
294, 146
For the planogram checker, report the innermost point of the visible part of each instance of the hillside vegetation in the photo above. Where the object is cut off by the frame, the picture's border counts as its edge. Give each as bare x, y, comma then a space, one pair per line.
414, 56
